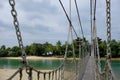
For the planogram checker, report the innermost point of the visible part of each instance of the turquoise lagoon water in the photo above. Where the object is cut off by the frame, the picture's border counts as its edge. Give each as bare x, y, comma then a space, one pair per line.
39, 64
50, 64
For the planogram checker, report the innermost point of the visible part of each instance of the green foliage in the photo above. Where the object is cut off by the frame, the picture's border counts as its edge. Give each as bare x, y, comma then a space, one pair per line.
47, 49
102, 48
37, 49
115, 48
15, 51
3, 51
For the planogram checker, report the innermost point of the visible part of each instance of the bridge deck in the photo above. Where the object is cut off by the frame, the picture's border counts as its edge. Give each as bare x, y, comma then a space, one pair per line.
89, 72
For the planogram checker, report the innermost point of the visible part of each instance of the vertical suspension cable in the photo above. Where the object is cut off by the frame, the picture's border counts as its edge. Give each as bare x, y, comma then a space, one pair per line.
91, 25
94, 27
94, 10
96, 46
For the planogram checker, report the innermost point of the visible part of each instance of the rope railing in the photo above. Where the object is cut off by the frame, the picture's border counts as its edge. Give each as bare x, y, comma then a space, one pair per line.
19, 71
55, 74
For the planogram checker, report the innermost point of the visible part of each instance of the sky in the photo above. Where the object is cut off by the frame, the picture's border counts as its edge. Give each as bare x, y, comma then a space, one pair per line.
44, 20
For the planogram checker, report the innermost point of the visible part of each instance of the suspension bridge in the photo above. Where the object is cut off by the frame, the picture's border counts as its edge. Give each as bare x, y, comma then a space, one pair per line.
87, 66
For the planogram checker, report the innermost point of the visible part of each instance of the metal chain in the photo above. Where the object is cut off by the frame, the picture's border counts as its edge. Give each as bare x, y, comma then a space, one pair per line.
109, 75
108, 22
18, 33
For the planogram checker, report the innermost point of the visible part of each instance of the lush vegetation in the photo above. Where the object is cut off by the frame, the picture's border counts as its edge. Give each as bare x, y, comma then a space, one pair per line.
115, 48
35, 49
47, 49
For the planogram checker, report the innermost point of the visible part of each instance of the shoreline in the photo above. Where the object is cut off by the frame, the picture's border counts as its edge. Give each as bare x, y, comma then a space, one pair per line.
37, 58
111, 59
33, 58
46, 58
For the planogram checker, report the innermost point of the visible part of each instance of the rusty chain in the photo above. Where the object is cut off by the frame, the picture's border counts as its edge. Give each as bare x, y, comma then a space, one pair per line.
109, 74
108, 22
18, 33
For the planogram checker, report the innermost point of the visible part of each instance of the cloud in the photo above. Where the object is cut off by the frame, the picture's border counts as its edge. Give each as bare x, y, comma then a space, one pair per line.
44, 20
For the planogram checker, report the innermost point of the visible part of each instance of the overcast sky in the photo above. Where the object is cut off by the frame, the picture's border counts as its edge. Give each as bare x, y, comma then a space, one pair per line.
44, 20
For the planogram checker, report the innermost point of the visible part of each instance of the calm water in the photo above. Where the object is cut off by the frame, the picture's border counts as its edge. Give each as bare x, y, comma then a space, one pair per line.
49, 64
115, 67
39, 64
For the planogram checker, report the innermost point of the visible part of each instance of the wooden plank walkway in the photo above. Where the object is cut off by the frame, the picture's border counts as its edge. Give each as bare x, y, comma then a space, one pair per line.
90, 70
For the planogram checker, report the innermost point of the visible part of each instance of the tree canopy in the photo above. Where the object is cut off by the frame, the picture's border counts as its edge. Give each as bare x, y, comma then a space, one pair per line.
48, 49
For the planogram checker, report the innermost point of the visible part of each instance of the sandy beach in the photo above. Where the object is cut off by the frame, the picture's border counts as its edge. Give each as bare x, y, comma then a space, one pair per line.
33, 58
46, 58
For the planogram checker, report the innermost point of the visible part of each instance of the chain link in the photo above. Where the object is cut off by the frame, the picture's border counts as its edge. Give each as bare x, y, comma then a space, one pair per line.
108, 22
109, 74
18, 33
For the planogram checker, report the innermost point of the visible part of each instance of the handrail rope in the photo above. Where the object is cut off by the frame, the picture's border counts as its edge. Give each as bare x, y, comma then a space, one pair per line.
18, 33
68, 18
42, 71
96, 39
80, 24
95, 43
71, 31
53, 72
